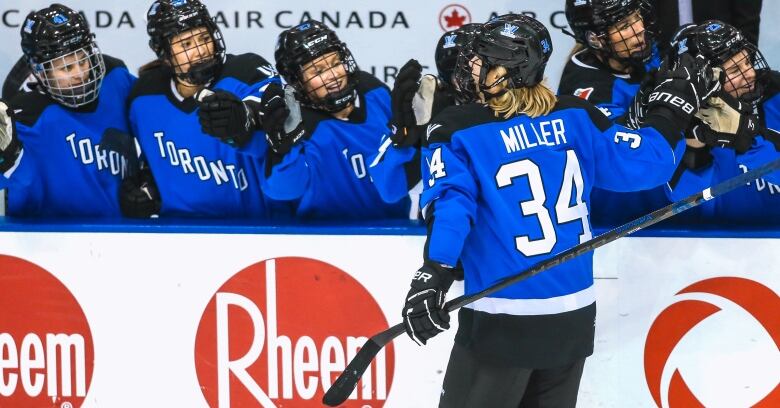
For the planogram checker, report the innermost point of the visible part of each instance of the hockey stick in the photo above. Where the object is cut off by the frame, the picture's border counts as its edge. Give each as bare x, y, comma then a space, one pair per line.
347, 381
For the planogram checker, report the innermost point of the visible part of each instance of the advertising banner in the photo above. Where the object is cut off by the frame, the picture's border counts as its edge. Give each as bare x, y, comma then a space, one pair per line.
220, 320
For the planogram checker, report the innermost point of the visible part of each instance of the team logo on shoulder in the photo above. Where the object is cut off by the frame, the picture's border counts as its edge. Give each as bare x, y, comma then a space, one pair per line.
431, 128
583, 93
449, 41
509, 30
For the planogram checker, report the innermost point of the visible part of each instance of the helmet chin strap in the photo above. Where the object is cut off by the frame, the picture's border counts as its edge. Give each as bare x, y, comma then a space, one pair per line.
490, 95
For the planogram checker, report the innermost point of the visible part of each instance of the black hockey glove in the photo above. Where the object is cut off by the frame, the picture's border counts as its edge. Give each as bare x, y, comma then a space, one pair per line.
403, 125
10, 146
726, 122
423, 315
281, 118
226, 117
635, 115
138, 195
680, 90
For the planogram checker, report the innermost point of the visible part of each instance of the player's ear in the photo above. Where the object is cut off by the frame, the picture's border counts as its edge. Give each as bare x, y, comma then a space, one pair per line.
594, 41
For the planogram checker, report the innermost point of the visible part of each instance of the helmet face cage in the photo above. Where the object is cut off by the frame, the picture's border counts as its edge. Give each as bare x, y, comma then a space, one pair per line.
448, 49
609, 27
196, 55
626, 42
723, 45
742, 74
320, 67
177, 30
327, 83
73, 79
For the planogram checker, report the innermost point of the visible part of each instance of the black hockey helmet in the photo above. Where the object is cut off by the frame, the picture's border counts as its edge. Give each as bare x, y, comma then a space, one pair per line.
517, 42
720, 43
448, 48
168, 18
57, 38
309, 42
592, 20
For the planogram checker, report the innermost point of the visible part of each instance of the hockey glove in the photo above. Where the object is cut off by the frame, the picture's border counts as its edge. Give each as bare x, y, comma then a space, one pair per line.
138, 195
635, 115
726, 122
423, 315
281, 118
403, 125
681, 90
10, 146
226, 117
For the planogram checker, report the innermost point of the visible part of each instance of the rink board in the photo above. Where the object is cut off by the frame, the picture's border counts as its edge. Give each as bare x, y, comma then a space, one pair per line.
187, 320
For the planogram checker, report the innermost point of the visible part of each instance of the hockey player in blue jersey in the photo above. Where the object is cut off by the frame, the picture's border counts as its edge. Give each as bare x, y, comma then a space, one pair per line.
614, 52
415, 99
323, 128
51, 164
734, 132
199, 174
508, 186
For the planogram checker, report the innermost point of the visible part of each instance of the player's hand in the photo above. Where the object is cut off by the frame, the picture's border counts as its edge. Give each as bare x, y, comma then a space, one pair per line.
423, 315
225, 117
681, 89
138, 195
281, 118
10, 146
635, 115
403, 125
727, 122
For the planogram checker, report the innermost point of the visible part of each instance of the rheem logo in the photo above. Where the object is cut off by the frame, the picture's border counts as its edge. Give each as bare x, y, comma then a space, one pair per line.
46, 352
279, 332
729, 330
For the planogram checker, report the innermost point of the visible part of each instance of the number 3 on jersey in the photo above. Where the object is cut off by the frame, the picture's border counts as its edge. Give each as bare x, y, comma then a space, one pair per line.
572, 177
436, 167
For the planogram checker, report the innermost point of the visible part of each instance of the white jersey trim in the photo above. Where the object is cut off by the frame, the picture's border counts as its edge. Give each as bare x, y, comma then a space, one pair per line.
575, 60
530, 307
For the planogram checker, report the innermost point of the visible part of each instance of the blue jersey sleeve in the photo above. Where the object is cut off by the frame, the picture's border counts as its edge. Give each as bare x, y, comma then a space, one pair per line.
288, 177
394, 170
449, 201
761, 152
631, 160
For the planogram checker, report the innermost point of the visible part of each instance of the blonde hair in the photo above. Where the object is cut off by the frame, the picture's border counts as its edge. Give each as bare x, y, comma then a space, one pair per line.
534, 101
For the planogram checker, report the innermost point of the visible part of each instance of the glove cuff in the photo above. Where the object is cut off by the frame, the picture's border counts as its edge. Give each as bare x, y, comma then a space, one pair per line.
434, 274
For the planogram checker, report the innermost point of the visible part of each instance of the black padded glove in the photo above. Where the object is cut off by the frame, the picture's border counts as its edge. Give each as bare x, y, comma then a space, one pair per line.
226, 117
281, 118
423, 315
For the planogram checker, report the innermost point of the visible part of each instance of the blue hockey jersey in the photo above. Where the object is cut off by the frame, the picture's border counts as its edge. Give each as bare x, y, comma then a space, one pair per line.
758, 203
386, 165
326, 174
585, 76
197, 174
61, 171
502, 195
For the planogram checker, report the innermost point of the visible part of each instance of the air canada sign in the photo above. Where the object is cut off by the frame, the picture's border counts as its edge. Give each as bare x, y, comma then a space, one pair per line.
279, 332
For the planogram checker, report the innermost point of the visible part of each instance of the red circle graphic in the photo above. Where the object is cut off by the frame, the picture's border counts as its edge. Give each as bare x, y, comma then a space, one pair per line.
675, 321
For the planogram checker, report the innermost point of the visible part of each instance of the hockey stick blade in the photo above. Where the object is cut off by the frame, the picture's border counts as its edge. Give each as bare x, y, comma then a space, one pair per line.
347, 381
